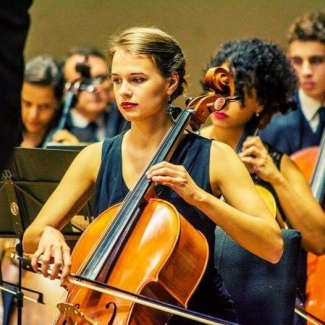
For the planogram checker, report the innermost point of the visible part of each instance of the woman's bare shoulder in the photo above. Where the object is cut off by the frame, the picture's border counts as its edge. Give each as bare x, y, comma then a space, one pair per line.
89, 158
225, 160
206, 131
93, 148
222, 148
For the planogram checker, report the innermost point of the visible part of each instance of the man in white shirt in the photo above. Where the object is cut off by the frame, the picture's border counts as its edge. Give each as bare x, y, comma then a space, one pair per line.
306, 49
303, 127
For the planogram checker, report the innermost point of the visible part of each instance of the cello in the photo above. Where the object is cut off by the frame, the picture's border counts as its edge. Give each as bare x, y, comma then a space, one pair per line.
312, 162
171, 255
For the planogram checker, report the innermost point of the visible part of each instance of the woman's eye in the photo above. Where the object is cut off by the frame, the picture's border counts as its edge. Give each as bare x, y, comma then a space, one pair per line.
138, 80
116, 80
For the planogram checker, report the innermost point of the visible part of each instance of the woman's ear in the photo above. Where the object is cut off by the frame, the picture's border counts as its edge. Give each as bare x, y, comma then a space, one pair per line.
266, 116
173, 83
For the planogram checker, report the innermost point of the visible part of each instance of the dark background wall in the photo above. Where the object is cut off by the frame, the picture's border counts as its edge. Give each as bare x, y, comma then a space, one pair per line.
200, 26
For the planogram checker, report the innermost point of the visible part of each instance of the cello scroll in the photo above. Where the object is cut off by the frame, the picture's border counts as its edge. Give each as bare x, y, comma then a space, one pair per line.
219, 82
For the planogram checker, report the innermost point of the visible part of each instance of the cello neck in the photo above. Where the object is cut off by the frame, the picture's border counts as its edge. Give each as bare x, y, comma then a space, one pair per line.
251, 129
318, 177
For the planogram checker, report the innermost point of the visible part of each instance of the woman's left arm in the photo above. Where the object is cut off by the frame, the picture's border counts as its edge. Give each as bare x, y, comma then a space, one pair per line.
244, 215
294, 193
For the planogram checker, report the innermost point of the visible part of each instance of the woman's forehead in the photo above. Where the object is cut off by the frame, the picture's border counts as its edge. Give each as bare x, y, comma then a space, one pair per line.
124, 61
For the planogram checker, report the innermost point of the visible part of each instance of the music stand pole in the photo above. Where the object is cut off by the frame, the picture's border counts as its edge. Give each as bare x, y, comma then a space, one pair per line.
19, 294
23, 192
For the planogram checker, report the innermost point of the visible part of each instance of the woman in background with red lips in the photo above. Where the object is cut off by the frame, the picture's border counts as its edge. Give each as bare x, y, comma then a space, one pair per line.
265, 82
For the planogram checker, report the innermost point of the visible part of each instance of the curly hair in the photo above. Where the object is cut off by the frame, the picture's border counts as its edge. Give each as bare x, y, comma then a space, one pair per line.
308, 27
162, 48
259, 65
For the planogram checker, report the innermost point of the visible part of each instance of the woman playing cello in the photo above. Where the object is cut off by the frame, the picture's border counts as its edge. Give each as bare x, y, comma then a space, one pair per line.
147, 67
265, 80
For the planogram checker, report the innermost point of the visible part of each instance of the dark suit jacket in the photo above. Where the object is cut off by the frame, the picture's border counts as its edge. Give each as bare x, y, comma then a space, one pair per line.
289, 133
114, 124
14, 26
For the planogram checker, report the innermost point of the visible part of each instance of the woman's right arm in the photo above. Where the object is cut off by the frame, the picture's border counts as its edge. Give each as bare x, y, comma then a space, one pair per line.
43, 237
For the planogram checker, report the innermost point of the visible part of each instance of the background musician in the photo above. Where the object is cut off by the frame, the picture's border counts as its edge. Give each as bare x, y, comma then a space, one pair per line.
265, 81
41, 100
93, 115
41, 97
300, 132
303, 127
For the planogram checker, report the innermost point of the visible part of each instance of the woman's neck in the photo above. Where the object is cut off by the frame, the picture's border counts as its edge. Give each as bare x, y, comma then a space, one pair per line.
140, 145
149, 135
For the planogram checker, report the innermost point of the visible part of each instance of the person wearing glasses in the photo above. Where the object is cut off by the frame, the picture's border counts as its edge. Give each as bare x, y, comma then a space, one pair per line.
92, 114
264, 85
303, 127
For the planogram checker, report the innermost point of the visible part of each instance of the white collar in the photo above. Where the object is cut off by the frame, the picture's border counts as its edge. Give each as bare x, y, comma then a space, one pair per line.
309, 106
80, 121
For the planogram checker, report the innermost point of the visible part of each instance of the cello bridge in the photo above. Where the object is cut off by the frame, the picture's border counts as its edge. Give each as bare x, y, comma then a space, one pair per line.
73, 315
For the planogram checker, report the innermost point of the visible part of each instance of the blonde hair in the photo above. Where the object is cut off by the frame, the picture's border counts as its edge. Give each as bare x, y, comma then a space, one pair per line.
160, 47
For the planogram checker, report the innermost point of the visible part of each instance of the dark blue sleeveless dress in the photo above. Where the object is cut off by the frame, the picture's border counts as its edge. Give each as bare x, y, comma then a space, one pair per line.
210, 297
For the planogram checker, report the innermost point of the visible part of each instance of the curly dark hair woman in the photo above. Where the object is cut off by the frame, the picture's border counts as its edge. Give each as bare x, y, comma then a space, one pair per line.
263, 66
265, 82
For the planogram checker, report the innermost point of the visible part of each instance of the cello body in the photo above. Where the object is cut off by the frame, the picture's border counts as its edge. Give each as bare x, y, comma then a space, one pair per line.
307, 160
145, 266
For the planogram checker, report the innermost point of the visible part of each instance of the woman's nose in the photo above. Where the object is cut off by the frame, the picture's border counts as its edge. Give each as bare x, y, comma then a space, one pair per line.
125, 90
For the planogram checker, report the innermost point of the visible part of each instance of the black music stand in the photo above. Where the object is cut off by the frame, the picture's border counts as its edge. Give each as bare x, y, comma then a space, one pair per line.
26, 184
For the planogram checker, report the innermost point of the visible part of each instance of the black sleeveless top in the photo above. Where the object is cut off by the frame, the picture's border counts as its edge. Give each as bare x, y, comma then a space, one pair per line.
193, 153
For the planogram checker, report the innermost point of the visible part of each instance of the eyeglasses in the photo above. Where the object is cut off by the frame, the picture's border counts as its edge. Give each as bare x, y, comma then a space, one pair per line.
223, 102
88, 84
97, 80
94, 81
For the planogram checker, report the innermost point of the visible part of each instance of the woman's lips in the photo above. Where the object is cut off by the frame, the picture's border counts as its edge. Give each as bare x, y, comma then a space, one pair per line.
127, 106
220, 115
